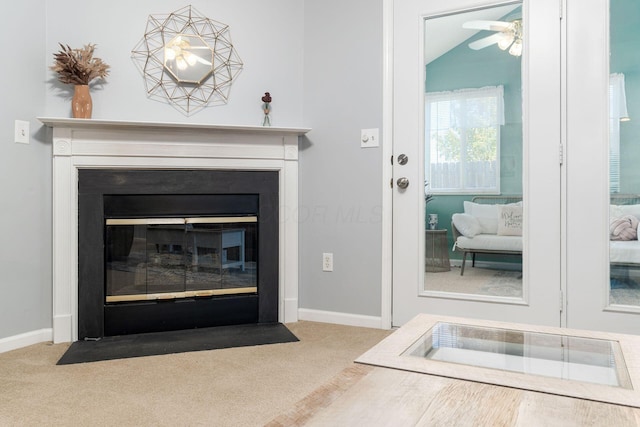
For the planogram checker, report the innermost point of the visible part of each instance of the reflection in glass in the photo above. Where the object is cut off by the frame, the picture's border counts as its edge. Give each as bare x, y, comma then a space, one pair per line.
556, 356
188, 58
169, 258
219, 256
473, 152
624, 153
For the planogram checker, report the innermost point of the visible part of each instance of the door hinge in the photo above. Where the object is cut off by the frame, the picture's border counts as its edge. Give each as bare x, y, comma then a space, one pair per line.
561, 301
561, 154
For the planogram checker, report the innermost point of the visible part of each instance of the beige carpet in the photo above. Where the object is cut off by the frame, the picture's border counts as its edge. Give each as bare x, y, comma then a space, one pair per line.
248, 386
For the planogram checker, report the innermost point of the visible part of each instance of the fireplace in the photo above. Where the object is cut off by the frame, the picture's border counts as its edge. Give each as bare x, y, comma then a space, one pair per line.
168, 249
218, 241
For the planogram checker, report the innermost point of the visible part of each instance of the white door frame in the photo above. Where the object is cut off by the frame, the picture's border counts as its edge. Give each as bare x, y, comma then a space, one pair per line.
387, 169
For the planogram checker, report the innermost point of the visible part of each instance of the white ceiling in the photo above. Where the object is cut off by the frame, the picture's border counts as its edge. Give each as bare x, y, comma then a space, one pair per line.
444, 33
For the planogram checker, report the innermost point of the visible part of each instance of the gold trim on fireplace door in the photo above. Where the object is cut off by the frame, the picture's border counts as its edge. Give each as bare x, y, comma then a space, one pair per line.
177, 295
173, 221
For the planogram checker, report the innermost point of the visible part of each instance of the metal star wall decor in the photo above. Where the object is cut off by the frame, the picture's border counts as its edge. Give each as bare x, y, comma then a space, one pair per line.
187, 59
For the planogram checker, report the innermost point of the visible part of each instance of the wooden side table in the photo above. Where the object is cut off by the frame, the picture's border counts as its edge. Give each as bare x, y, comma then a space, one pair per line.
436, 257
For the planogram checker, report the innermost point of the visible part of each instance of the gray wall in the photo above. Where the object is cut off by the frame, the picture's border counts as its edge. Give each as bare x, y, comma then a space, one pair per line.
25, 205
323, 69
266, 34
340, 185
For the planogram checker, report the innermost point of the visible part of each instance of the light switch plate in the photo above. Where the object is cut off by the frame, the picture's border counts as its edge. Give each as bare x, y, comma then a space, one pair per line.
22, 132
369, 138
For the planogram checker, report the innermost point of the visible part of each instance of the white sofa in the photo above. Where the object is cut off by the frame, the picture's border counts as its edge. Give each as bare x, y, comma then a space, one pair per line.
624, 252
489, 225
478, 230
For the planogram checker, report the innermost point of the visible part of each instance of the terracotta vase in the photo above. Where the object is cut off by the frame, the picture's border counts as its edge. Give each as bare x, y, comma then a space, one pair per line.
81, 104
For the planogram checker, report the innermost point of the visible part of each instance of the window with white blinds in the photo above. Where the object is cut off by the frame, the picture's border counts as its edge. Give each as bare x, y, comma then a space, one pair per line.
617, 113
463, 130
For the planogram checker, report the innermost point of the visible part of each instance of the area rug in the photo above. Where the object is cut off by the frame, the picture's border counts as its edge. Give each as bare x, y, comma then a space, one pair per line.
477, 281
504, 283
158, 343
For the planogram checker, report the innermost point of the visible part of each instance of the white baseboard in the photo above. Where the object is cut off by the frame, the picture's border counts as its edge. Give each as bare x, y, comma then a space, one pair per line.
26, 339
340, 318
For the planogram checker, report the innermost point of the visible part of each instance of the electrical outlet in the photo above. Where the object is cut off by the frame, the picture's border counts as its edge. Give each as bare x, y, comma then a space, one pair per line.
22, 132
327, 261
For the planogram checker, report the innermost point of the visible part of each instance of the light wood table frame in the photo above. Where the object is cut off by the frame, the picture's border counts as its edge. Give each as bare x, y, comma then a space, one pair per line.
389, 353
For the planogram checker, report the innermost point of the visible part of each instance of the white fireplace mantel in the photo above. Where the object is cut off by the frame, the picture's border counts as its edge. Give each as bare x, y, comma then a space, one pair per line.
108, 144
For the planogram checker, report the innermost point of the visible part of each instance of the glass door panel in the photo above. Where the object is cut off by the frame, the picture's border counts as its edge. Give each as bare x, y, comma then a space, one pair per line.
624, 154
223, 256
473, 149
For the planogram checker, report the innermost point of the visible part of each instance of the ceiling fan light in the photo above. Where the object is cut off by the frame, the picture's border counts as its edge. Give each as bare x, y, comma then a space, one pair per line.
516, 48
169, 54
181, 63
505, 41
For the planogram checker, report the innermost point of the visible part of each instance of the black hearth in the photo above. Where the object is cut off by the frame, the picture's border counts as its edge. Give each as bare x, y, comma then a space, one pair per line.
165, 250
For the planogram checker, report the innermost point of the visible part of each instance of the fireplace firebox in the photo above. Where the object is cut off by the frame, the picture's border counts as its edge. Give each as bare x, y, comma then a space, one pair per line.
172, 258
175, 249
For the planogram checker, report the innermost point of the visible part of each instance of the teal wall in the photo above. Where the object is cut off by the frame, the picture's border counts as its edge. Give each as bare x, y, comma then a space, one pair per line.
463, 67
625, 45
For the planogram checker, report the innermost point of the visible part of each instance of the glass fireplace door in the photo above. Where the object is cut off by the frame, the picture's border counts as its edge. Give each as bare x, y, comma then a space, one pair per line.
172, 258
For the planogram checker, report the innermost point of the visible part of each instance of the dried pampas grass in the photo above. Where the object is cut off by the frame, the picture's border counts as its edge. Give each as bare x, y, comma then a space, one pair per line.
78, 66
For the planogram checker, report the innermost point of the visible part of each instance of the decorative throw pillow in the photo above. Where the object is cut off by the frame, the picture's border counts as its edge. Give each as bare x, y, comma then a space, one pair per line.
624, 228
487, 215
614, 212
627, 210
510, 221
466, 224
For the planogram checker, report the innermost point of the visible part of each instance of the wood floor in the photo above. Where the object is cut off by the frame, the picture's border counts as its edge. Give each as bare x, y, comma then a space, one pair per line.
377, 393
391, 397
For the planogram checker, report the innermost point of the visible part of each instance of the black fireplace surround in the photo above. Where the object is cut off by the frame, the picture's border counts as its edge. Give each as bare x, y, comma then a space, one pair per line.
111, 193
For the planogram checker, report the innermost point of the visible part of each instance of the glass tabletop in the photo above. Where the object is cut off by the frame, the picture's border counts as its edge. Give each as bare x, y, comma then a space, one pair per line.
557, 356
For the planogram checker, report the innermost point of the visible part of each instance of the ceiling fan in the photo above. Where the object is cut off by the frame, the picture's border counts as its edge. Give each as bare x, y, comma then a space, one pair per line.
508, 35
